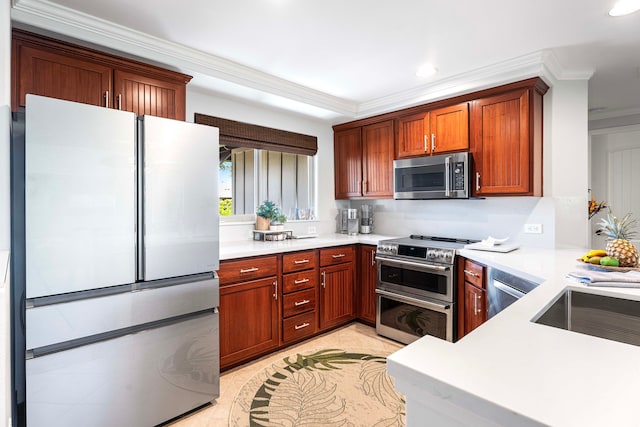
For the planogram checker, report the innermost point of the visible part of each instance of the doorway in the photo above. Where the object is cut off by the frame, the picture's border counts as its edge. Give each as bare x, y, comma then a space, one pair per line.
615, 176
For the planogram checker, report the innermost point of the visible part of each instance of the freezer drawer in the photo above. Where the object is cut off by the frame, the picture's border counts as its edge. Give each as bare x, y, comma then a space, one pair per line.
179, 204
136, 380
80, 205
58, 323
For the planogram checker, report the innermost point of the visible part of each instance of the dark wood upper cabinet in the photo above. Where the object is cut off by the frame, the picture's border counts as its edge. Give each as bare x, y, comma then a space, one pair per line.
347, 155
450, 128
413, 136
437, 131
48, 67
377, 160
506, 143
363, 160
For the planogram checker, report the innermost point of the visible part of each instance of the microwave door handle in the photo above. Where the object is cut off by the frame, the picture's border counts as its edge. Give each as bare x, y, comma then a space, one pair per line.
447, 176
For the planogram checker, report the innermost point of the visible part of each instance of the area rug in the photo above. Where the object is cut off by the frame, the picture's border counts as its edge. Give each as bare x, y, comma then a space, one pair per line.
328, 388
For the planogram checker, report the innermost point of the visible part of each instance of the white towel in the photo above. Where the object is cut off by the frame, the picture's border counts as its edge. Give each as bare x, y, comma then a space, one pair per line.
590, 277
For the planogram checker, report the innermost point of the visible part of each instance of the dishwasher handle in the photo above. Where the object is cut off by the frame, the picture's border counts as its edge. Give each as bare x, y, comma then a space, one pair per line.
508, 289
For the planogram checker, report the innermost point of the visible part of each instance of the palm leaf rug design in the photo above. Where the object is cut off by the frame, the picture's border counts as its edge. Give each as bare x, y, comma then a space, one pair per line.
329, 388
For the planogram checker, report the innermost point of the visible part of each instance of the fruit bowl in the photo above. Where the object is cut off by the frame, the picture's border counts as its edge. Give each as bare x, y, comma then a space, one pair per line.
606, 267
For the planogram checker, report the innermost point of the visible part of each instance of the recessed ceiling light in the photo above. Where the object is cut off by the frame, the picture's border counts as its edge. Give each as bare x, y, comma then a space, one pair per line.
625, 7
426, 70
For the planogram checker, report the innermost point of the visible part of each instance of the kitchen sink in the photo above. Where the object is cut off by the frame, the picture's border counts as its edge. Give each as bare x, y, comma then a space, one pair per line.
612, 318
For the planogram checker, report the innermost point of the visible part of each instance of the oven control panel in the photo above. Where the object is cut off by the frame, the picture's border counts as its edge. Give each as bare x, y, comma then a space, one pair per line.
387, 248
419, 253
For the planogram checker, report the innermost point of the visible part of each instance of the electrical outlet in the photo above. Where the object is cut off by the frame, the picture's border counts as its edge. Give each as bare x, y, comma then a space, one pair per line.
311, 230
533, 228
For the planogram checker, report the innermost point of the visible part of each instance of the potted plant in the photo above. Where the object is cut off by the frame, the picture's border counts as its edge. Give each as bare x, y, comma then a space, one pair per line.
269, 213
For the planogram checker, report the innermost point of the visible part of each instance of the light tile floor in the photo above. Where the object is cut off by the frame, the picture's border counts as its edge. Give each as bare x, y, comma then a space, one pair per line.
353, 336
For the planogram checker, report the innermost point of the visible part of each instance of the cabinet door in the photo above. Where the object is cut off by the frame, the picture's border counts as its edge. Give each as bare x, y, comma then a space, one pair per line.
336, 295
475, 303
249, 320
347, 153
147, 95
47, 73
450, 128
413, 135
501, 144
366, 295
377, 160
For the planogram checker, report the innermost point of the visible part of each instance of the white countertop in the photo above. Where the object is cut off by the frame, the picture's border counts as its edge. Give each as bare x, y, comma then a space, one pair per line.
540, 374
247, 248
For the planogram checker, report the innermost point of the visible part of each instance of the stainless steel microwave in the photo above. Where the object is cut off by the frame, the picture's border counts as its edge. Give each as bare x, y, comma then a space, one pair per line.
445, 176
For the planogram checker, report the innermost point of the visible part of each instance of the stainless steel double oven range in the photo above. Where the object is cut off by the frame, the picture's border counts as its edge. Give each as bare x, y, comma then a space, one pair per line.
416, 287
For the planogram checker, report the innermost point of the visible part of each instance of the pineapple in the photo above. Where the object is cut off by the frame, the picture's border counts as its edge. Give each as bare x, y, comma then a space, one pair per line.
618, 232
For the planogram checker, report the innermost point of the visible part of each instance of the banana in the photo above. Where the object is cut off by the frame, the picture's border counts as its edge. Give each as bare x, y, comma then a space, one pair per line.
596, 252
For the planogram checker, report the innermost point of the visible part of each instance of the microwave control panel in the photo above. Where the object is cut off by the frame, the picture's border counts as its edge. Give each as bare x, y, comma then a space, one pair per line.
458, 176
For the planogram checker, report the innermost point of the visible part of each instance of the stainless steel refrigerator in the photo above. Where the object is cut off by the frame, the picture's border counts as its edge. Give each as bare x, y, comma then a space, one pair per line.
115, 226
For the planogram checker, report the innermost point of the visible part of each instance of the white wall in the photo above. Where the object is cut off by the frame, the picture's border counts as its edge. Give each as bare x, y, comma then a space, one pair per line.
5, 97
199, 101
566, 160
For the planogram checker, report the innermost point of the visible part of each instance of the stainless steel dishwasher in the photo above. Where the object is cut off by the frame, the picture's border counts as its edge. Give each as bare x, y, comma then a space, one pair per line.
503, 289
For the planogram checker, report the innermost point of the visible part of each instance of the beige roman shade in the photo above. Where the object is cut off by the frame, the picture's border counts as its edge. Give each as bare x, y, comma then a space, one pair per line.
240, 134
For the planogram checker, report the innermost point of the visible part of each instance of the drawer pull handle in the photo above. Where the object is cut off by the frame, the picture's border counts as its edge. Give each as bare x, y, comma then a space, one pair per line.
300, 261
249, 270
106, 99
471, 273
275, 291
298, 282
304, 325
339, 256
303, 302
323, 277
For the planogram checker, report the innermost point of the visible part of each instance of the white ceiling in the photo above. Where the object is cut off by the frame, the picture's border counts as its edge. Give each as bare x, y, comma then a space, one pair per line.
340, 60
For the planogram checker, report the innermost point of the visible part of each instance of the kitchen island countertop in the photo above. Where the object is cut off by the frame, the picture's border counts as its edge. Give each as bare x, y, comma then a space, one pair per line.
513, 372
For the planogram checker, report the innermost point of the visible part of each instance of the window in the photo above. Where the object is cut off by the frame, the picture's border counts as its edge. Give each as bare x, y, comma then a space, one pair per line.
250, 176
258, 163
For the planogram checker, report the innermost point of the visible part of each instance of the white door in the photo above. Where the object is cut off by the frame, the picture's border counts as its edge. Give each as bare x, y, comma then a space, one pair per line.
614, 177
180, 198
79, 196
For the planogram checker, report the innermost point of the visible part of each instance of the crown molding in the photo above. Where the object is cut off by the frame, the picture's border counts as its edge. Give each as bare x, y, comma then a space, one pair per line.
76, 25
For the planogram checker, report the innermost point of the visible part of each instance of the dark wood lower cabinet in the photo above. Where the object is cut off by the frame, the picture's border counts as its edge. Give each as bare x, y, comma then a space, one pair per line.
475, 301
367, 277
249, 320
336, 295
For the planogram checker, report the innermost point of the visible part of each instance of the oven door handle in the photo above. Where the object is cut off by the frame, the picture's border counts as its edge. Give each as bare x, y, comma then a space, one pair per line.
413, 264
429, 304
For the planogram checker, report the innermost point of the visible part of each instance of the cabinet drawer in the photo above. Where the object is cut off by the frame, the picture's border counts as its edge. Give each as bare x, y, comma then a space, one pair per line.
331, 256
298, 281
299, 326
299, 261
474, 273
247, 269
299, 302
